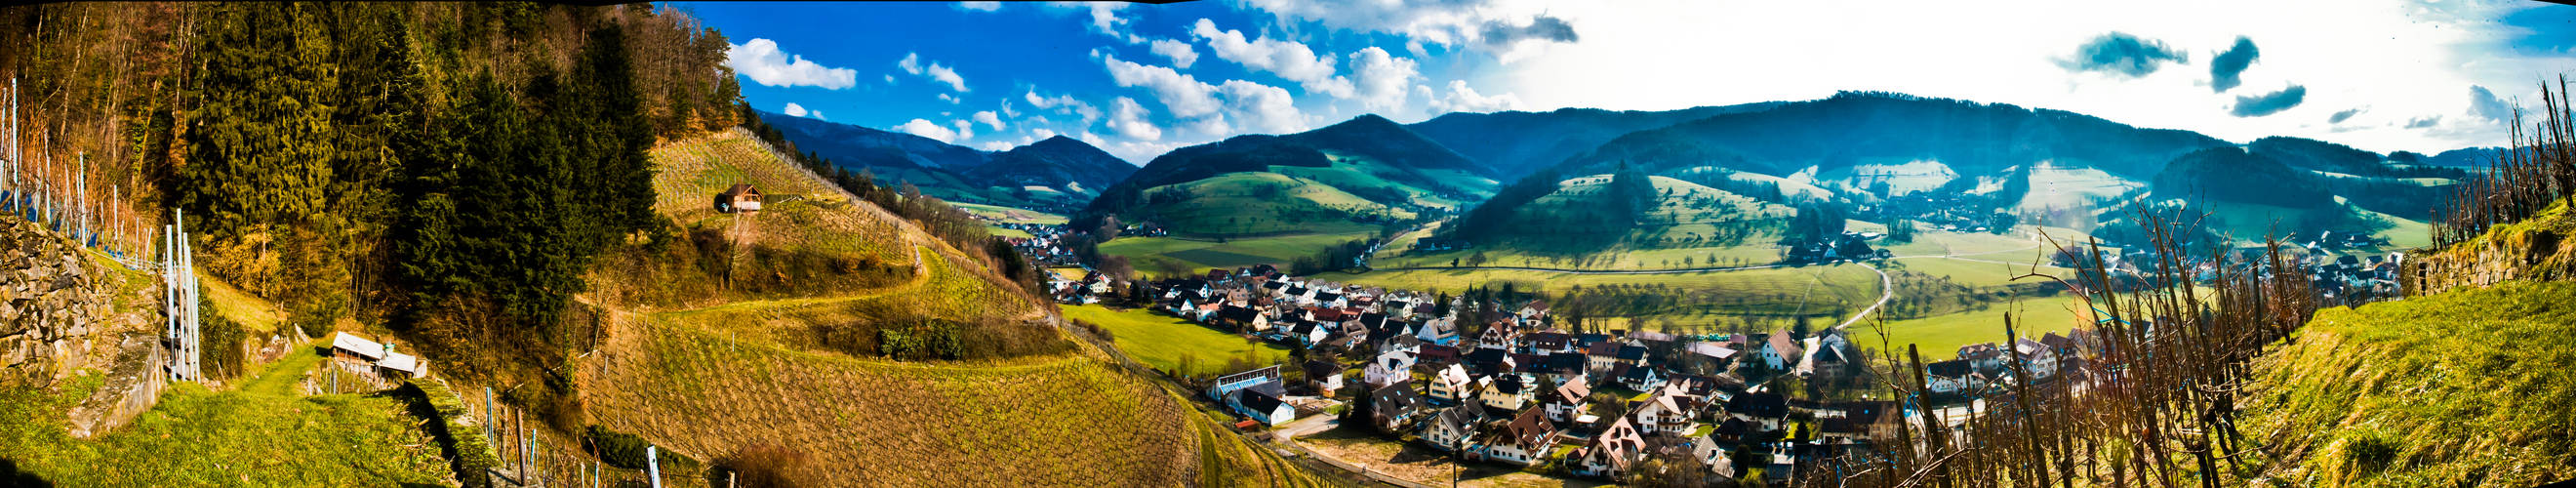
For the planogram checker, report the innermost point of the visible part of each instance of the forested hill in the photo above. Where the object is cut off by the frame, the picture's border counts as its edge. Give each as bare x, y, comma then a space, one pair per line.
446, 168
1515, 143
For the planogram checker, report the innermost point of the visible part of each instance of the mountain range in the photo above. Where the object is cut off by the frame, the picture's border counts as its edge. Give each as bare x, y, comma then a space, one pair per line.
1057, 173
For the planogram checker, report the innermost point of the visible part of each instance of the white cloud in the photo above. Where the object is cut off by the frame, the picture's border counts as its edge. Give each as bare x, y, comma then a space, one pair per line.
1383, 78
996, 146
794, 110
1503, 24
1179, 52
980, 6
1042, 133
1262, 108
989, 119
965, 129
1288, 59
911, 63
950, 98
1065, 104
1464, 99
1183, 95
1128, 118
1105, 20
761, 60
928, 129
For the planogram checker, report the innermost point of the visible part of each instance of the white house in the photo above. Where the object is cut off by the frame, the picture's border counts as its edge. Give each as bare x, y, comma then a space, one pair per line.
1389, 368
1450, 385
1610, 455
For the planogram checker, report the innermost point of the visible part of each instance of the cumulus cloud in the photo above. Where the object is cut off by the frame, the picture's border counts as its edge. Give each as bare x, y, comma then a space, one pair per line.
1464, 99
2424, 122
1128, 118
2339, 117
989, 119
1183, 95
995, 146
980, 6
929, 129
1042, 133
950, 98
2485, 104
794, 110
2224, 68
2121, 54
911, 63
1288, 59
1064, 104
1499, 23
2269, 103
1543, 27
1105, 20
761, 60
1382, 77
1181, 54
1262, 108
965, 130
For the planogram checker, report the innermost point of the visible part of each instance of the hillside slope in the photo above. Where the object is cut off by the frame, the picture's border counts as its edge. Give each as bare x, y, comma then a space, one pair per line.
1515, 143
799, 364
1363, 171
2462, 388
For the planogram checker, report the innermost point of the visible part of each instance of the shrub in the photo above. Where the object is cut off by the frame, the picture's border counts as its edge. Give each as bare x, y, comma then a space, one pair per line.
766, 465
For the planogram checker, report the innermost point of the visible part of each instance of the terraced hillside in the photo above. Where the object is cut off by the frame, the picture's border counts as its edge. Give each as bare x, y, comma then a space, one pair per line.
801, 367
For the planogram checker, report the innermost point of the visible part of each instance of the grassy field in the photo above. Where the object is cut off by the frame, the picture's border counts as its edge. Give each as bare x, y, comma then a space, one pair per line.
260, 434
1162, 341
2466, 388
1939, 337
1173, 255
1241, 204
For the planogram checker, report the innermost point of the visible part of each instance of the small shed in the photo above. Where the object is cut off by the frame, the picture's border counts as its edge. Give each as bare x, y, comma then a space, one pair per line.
742, 197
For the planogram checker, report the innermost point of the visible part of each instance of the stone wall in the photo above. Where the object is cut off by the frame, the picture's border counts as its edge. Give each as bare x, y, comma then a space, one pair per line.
58, 320
55, 319
2536, 249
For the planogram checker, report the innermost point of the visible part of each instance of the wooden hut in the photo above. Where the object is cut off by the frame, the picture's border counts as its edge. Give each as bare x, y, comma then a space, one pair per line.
740, 198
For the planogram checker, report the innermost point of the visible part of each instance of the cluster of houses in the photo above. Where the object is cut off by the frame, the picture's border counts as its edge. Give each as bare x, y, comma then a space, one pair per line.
1850, 246
1515, 389
1045, 244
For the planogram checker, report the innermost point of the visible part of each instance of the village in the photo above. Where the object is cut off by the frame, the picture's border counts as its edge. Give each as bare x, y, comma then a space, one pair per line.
1506, 384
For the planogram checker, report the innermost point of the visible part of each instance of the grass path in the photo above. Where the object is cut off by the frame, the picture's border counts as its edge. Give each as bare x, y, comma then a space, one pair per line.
262, 434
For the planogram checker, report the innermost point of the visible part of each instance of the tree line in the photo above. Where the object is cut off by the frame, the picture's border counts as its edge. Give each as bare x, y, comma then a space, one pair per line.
449, 169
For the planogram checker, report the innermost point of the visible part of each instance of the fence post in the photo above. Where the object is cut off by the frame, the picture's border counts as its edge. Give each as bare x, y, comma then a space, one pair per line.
653, 465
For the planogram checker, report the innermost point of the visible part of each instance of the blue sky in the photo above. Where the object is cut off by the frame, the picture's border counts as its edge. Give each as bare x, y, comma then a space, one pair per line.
1139, 80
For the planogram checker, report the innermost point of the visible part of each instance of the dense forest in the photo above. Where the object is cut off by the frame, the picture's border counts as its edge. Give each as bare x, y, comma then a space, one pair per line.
450, 169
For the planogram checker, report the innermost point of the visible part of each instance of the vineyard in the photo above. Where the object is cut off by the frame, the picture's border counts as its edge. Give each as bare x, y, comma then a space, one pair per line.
1061, 420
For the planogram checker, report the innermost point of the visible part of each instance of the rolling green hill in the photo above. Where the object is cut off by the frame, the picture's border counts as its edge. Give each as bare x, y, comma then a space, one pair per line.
1361, 172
